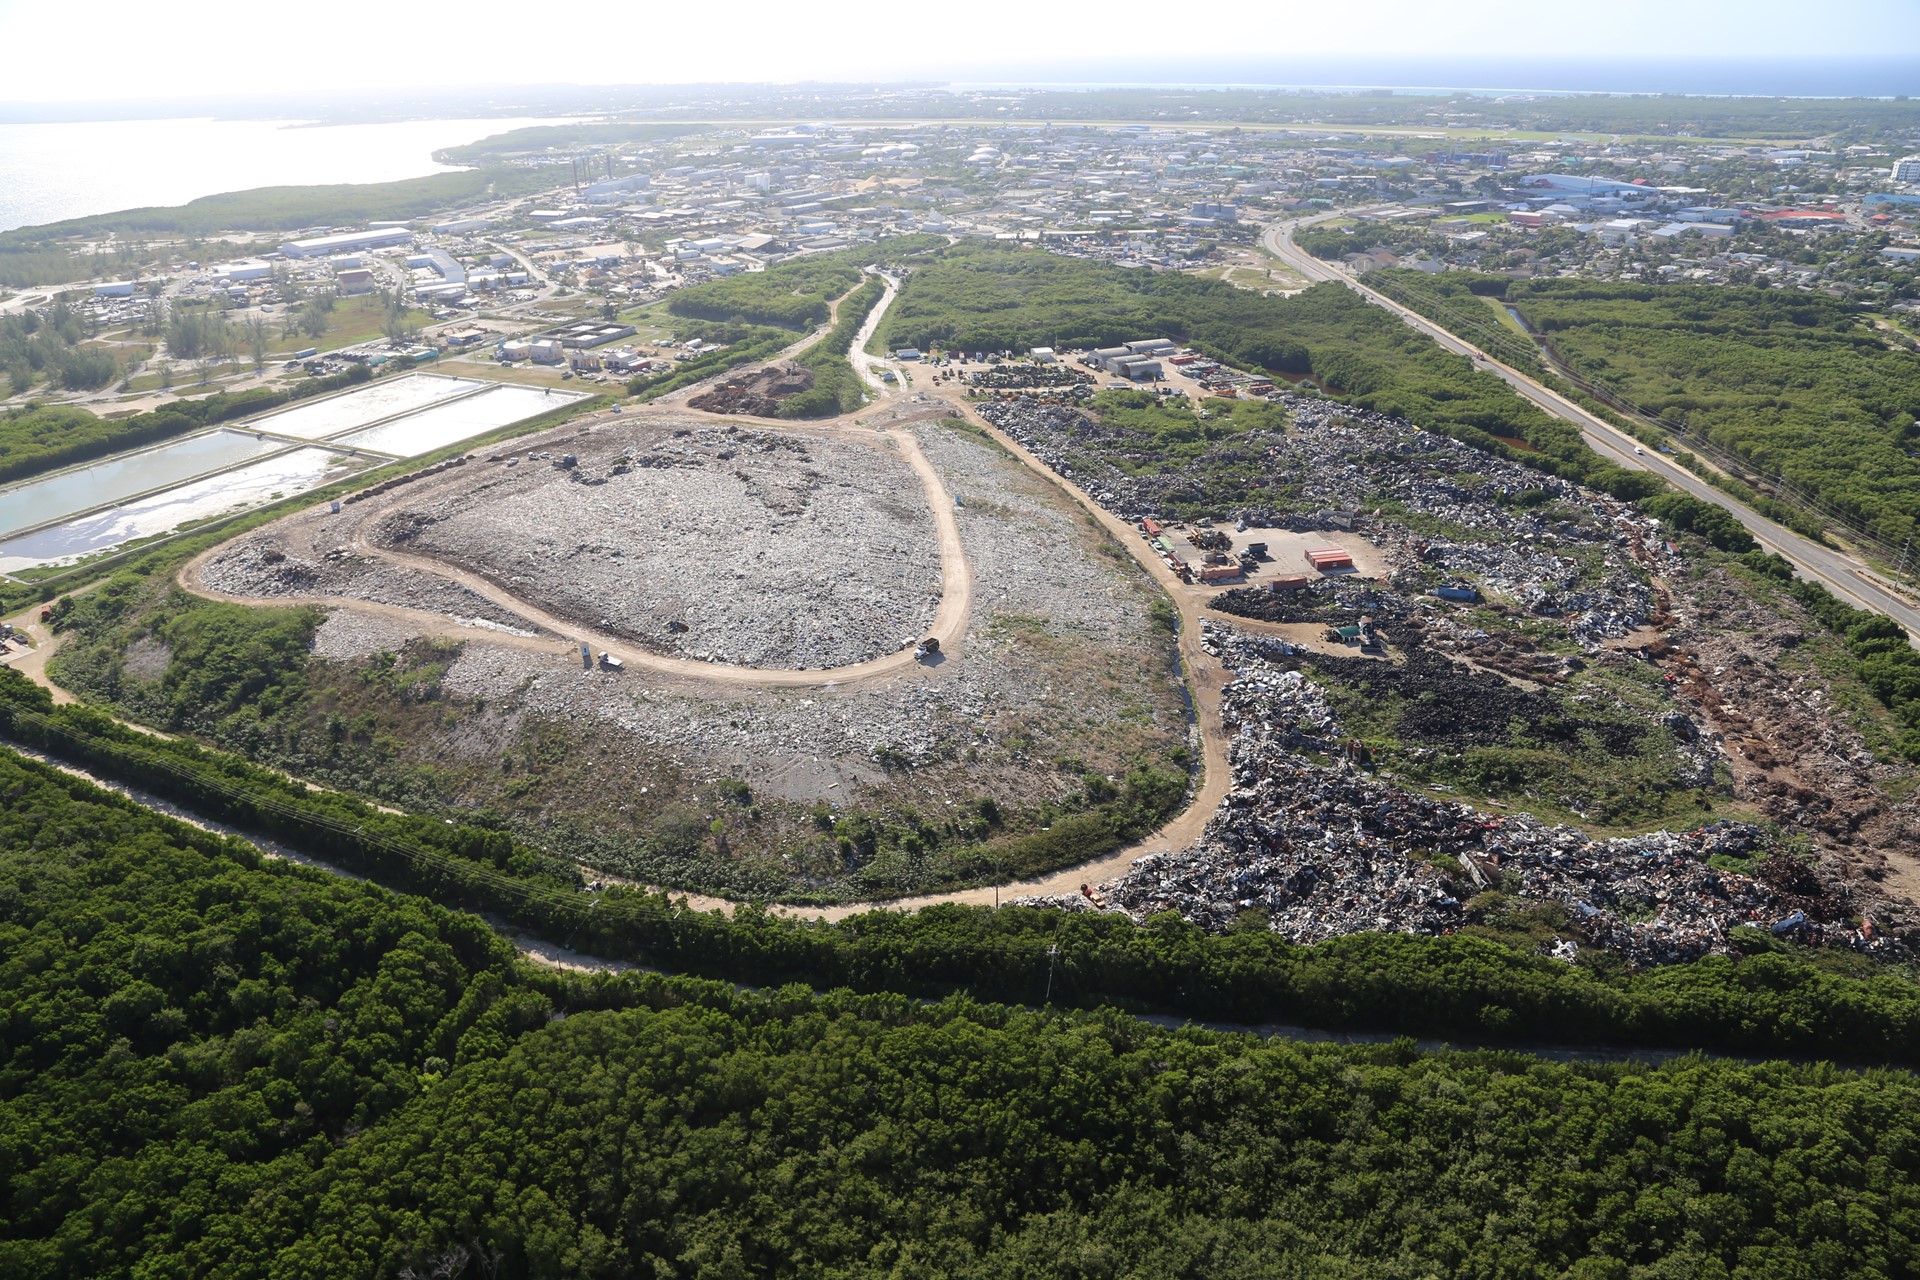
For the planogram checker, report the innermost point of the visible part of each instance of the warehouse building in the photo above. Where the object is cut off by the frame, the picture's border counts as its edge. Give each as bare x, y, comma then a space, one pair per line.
346, 241
245, 269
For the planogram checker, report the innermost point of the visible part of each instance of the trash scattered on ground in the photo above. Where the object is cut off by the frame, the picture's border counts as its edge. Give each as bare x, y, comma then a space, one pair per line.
1313, 844
758, 393
1502, 586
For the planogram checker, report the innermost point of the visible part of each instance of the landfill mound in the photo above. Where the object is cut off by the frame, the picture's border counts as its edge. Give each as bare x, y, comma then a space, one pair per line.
708, 541
759, 393
1324, 850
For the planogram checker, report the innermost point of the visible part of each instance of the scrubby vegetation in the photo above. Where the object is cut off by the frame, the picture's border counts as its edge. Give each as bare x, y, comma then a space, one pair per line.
993, 297
1887, 663
280, 208
998, 297
797, 294
541, 138
1215, 450
837, 387
52, 347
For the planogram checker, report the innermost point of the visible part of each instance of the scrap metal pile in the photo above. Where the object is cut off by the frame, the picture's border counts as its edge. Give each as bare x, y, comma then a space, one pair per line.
1553, 549
1015, 377
1493, 571
1324, 850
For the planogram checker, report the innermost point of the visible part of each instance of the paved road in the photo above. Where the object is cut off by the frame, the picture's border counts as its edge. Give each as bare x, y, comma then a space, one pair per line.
1845, 575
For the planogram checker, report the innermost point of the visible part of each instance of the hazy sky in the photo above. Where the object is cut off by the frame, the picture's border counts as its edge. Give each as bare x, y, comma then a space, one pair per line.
108, 49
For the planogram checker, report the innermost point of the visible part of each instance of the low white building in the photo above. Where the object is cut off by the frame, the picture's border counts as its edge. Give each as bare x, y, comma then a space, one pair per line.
345, 241
244, 269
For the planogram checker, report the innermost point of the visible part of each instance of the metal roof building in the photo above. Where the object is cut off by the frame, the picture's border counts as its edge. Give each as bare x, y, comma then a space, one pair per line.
322, 246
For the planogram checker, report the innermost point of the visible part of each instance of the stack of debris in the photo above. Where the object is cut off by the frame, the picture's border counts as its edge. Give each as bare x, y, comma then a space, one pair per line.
758, 393
1013, 377
1325, 849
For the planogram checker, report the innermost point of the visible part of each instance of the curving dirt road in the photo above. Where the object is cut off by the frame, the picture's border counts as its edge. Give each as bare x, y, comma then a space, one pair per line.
1205, 677
949, 620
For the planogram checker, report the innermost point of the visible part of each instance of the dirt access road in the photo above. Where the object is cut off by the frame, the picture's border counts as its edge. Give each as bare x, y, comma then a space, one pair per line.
949, 620
1205, 676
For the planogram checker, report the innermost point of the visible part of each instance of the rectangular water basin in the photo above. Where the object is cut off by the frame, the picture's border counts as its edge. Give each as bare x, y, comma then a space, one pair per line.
110, 480
253, 485
370, 403
447, 424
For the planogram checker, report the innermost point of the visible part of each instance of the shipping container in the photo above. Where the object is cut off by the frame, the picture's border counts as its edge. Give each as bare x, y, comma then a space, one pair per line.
1326, 559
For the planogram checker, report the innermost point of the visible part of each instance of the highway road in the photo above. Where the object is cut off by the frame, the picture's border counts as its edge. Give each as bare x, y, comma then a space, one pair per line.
1844, 575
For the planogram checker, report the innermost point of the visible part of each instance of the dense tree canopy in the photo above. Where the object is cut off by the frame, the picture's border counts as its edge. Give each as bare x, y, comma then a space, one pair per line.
212, 1065
1803, 387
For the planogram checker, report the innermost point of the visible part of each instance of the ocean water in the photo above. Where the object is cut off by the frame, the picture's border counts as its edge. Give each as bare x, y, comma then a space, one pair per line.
1811, 76
50, 172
